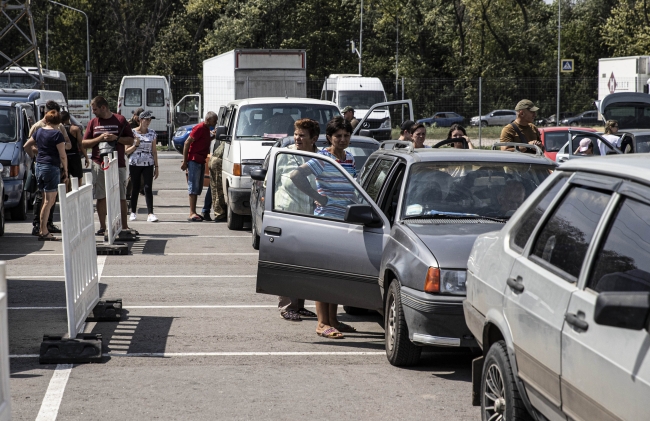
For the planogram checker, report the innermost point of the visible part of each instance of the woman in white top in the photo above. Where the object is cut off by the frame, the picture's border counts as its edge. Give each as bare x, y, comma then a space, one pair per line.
611, 128
143, 164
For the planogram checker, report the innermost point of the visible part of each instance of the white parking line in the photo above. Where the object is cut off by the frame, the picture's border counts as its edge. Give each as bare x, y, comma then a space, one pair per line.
165, 307
134, 276
148, 254
224, 354
52, 400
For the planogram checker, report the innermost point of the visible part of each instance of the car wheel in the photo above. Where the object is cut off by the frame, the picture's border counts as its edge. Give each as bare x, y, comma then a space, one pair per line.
256, 238
573, 124
500, 398
19, 213
400, 351
355, 311
484, 124
235, 222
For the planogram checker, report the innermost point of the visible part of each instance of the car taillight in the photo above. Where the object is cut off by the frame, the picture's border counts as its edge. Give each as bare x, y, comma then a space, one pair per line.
14, 170
236, 170
432, 281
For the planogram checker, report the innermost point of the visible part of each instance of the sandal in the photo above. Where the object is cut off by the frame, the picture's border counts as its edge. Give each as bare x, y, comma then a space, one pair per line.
291, 316
48, 237
195, 218
101, 231
306, 313
342, 327
331, 333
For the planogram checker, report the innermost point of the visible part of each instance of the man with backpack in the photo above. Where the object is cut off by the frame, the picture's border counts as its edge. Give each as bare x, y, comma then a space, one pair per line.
522, 129
116, 131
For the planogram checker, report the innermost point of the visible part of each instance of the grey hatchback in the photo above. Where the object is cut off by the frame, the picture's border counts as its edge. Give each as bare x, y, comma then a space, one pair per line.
397, 241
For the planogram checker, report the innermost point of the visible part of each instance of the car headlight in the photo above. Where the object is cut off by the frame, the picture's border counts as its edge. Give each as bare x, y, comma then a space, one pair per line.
250, 164
453, 281
10, 171
564, 121
385, 124
179, 133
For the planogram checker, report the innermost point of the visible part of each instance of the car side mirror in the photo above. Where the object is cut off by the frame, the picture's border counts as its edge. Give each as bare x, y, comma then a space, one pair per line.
258, 174
221, 132
361, 214
628, 310
365, 132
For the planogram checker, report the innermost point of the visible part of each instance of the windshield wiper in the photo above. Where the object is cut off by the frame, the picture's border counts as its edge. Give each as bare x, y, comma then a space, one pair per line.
454, 215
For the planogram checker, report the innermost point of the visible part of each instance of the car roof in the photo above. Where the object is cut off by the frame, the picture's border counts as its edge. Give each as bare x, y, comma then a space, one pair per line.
636, 131
466, 155
276, 100
566, 129
632, 166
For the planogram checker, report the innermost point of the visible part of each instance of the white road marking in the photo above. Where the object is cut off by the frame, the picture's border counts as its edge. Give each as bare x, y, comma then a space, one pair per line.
52, 400
148, 254
223, 354
163, 307
135, 276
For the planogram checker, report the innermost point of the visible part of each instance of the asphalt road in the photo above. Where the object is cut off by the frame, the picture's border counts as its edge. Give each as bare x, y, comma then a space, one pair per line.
198, 343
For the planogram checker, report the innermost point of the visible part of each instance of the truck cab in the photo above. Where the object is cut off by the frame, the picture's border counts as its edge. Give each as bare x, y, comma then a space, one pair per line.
249, 128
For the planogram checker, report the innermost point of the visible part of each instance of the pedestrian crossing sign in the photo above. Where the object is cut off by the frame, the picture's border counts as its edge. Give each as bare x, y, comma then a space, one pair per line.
567, 65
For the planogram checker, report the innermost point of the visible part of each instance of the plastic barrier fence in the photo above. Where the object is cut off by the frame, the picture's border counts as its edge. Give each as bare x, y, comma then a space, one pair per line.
113, 208
5, 400
79, 252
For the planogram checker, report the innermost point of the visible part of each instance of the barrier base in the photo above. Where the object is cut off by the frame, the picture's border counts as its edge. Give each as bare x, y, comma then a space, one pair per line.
127, 235
120, 249
106, 311
85, 348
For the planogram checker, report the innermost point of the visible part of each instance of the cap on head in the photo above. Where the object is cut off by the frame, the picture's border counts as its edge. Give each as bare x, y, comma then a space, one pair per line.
346, 109
406, 126
526, 104
584, 144
146, 114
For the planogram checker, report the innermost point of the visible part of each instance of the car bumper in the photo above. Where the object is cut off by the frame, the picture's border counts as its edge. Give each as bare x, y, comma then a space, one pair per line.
239, 200
13, 191
436, 320
178, 145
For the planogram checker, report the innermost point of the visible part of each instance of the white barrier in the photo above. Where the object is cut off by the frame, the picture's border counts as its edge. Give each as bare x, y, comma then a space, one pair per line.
113, 206
79, 252
5, 399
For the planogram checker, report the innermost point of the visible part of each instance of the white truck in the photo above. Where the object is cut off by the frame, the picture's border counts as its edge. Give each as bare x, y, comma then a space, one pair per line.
360, 93
241, 74
151, 93
623, 75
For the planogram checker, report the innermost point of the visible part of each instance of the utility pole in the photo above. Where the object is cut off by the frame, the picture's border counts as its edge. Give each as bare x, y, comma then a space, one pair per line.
396, 55
559, 27
14, 13
361, 38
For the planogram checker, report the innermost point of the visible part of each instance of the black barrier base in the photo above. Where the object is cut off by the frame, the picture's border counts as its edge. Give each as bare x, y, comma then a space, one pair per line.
106, 311
120, 249
85, 348
127, 235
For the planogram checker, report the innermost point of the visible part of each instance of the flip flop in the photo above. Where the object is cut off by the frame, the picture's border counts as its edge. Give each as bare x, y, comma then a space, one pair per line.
331, 333
342, 327
48, 237
101, 231
291, 316
195, 218
306, 313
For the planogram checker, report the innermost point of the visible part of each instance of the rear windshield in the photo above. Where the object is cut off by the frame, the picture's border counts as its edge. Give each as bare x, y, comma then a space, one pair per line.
489, 189
630, 115
8, 124
275, 121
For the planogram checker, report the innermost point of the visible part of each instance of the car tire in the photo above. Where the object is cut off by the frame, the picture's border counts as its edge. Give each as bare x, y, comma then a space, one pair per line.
19, 213
574, 124
499, 393
235, 221
256, 238
355, 311
400, 351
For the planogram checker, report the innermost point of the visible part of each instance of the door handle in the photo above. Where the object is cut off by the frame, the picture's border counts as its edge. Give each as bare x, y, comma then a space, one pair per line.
515, 285
273, 231
575, 321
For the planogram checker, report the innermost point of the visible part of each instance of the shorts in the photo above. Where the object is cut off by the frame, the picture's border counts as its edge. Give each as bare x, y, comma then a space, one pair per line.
48, 177
75, 169
99, 183
195, 177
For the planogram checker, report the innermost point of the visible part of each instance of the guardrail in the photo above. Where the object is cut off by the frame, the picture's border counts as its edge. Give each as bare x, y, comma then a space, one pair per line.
79, 252
113, 207
5, 399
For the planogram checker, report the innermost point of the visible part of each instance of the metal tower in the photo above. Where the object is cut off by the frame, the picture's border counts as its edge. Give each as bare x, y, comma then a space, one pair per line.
15, 32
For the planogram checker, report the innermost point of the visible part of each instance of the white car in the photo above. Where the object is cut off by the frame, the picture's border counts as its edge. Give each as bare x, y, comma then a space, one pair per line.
559, 299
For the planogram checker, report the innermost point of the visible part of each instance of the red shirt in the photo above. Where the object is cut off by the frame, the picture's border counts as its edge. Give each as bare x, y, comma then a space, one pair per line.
116, 125
200, 148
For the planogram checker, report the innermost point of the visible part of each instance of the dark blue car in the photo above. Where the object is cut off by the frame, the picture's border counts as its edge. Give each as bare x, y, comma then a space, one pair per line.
180, 136
442, 119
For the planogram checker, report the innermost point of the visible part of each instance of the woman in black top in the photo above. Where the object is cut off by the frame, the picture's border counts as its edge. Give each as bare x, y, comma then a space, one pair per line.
49, 146
75, 153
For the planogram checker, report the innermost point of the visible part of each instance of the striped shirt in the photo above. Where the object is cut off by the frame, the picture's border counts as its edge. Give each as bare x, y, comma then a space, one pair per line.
331, 183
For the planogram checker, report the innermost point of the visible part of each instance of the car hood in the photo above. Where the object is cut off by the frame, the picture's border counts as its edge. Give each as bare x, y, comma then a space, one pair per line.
256, 149
452, 243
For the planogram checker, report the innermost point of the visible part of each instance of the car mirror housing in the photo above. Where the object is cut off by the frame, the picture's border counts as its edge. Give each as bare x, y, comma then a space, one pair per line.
362, 214
258, 174
627, 310
221, 132
366, 133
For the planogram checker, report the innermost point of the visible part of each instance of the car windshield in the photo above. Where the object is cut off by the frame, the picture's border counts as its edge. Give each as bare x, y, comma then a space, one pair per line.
7, 124
470, 189
553, 141
629, 115
275, 121
360, 100
643, 143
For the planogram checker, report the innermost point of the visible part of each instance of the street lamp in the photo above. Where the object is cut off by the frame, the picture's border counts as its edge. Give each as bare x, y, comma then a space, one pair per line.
88, 72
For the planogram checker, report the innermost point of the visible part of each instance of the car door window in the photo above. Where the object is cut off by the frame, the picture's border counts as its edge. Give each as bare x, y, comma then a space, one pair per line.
563, 241
595, 141
296, 179
623, 262
534, 214
378, 177
390, 197
365, 170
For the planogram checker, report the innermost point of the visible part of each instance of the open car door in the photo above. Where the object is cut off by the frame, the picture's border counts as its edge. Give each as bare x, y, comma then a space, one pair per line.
599, 143
329, 253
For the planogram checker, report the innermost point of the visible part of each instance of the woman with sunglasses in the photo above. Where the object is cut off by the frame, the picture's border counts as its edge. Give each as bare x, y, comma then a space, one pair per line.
143, 163
611, 130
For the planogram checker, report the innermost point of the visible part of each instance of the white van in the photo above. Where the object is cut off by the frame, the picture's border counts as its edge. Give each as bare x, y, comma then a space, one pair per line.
151, 93
360, 93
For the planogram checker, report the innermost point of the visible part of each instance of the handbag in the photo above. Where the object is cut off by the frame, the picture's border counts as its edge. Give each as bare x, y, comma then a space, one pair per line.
107, 148
30, 181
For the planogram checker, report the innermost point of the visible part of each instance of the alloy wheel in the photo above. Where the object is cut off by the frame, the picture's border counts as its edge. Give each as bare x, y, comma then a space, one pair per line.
391, 323
494, 397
